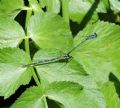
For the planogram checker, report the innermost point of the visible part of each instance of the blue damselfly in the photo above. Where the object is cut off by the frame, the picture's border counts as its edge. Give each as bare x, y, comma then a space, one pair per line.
63, 58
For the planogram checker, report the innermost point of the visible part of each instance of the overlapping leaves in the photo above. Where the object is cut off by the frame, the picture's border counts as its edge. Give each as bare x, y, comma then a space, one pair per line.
61, 71
75, 94
100, 56
10, 8
67, 83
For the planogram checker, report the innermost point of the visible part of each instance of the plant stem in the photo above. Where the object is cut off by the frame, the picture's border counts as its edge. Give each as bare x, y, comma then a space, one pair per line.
65, 10
49, 5
27, 48
35, 77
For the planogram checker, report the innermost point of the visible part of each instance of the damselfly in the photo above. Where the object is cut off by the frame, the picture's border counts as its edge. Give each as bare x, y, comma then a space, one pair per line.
63, 58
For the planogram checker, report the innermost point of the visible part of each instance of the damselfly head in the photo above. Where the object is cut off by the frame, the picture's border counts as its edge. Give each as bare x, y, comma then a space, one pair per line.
91, 36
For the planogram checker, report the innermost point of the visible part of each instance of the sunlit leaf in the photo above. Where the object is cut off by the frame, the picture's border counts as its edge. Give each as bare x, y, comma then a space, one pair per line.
111, 97
53, 6
80, 10
10, 8
61, 71
99, 56
12, 72
115, 5
33, 97
68, 94
11, 33
50, 31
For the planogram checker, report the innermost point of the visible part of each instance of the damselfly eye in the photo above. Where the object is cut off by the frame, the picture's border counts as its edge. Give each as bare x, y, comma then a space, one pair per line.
91, 36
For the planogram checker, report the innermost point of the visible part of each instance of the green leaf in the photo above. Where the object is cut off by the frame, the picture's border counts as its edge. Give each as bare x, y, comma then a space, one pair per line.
70, 95
12, 74
115, 5
11, 33
111, 97
50, 31
99, 56
10, 8
33, 97
73, 95
53, 6
43, 3
103, 6
35, 6
61, 71
78, 9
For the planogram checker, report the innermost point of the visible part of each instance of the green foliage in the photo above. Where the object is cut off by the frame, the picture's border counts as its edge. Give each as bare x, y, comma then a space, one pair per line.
111, 97
60, 91
12, 74
115, 5
104, 60
48, 29
10, 8
11, 33
79, 79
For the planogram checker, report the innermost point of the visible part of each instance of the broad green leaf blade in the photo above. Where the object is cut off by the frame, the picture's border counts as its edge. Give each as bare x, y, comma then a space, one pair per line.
72, 95
53, 6
61, 71
10, 8
111, 97
50, 31
68, 94
99, 56
115, 5
12, 74
103, 6
78, 9
33, 97
11, 33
